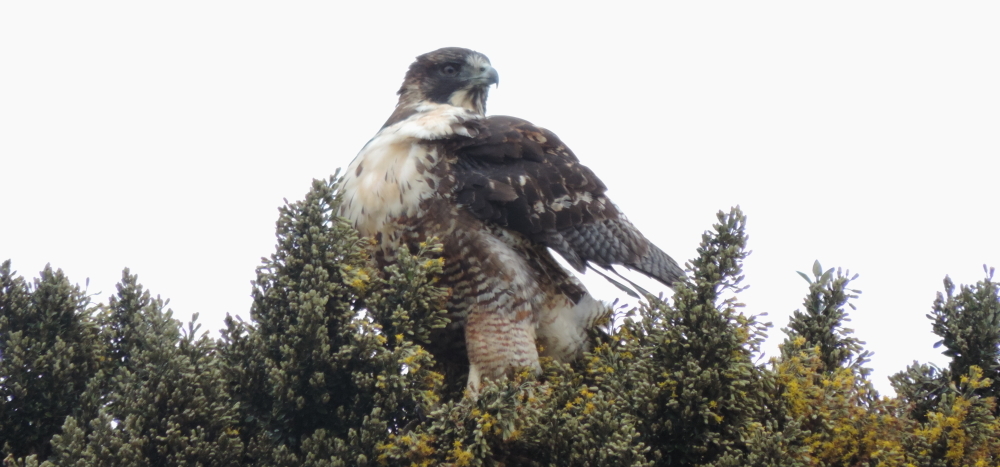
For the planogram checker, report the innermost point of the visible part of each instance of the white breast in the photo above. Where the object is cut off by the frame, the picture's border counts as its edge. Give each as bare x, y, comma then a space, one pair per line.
390, 176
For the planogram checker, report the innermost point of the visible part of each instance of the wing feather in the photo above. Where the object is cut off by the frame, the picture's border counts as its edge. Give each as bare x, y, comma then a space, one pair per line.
522, 177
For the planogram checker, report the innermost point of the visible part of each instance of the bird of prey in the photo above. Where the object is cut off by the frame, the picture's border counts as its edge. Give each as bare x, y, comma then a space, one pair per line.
500, 194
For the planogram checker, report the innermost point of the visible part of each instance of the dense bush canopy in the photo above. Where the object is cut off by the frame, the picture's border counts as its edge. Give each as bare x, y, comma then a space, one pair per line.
331, 371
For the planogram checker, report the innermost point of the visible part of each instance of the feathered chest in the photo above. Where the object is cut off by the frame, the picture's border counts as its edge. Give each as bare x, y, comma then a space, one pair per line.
400, 168
388, 182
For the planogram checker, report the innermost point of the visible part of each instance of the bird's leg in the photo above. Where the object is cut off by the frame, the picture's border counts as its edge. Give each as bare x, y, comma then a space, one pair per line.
499, 343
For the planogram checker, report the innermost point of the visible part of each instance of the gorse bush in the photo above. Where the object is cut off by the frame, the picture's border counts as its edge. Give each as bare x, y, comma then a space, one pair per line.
331, 370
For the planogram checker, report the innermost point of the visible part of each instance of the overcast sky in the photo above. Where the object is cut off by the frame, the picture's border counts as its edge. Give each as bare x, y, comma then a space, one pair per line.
163, 136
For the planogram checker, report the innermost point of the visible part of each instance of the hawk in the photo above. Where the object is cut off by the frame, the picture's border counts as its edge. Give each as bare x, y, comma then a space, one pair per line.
500, 194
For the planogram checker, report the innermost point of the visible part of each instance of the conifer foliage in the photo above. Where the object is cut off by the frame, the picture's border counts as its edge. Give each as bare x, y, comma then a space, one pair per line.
48, 352
955, 409
158, 397
821, 325
331, 370
969, 326
320, 381
706, 401
823, 382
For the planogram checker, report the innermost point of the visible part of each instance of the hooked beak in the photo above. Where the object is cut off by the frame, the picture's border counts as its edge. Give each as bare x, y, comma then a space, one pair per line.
487, 76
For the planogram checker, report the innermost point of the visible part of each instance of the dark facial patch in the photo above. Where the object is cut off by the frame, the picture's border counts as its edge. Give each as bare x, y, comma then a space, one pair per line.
442, 72
443, 84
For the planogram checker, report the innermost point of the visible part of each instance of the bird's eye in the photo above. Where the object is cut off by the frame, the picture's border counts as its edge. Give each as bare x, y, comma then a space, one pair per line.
449, 70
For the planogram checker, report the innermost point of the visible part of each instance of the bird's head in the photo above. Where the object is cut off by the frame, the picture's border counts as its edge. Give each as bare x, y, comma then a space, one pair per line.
452, 75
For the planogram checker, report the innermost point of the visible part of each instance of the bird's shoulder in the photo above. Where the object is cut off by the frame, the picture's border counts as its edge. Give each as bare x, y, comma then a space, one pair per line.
505, 139
522, 176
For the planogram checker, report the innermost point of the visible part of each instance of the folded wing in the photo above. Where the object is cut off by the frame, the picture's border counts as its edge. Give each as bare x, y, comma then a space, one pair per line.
524, 178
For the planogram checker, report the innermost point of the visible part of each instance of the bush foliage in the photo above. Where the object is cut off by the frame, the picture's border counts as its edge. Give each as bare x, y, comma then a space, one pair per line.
332, 371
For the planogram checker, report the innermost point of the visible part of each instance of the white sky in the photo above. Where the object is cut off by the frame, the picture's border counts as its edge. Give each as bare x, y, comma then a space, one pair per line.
163, 137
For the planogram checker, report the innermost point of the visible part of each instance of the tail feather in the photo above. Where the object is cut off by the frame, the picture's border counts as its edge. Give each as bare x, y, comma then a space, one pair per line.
614, 242
660, 266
